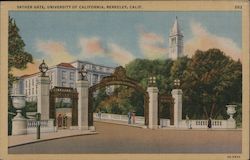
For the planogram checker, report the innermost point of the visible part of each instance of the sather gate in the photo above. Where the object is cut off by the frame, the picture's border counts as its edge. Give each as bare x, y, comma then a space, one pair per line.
119, 77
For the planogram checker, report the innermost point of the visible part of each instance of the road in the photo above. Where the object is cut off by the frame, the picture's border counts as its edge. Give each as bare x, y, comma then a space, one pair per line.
113, 138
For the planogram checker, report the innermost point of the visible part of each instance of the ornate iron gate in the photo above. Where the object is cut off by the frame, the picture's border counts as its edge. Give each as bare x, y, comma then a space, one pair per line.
118, 78
165, 98
63, 92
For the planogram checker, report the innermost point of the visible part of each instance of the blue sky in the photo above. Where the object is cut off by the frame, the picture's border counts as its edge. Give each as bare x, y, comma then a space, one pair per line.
115, 38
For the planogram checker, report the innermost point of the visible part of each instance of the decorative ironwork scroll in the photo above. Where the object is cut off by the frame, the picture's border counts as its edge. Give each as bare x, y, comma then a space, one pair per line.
64, 92
119, 77
165, 98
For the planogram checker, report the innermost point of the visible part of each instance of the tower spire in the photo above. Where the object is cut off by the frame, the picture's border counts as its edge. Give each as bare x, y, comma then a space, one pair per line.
175, 41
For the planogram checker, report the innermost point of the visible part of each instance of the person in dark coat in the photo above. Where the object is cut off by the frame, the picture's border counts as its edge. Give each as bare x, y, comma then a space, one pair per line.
209, 125
129, 117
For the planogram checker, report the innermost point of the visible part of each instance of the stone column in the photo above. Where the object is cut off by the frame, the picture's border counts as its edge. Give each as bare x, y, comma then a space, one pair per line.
82, 89
153, 107
177, 95
43, 85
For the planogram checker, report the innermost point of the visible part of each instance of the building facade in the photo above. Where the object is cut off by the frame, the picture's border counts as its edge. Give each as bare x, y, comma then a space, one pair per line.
62, 75
175, 41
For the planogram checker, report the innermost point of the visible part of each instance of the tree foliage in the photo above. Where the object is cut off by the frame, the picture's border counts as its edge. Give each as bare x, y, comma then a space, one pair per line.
17, 58
209, 80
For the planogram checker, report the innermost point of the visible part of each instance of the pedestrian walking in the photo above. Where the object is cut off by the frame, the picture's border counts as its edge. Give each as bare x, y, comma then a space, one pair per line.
209, 124
99, 115
59, 120
129, 117
133, 117
187, 121
65, 118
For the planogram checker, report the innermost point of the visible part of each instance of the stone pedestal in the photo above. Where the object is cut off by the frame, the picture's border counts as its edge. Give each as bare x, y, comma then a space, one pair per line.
153, 107
82, 89
19, 123
231, 123
177, 95
19, 126
43, 85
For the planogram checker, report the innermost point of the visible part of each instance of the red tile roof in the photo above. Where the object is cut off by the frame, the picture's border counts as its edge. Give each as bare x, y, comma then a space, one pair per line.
65, 65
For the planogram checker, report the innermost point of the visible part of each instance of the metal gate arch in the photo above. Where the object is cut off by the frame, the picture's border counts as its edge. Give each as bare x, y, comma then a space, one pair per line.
63, 92
119, 77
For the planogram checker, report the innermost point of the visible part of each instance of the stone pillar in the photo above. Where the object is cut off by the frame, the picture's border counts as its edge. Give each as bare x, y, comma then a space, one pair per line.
177, 95
43, 85
82, 89
153, 107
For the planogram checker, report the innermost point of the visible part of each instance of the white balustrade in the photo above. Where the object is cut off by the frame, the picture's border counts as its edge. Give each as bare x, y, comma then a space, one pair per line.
46, 126
165, 123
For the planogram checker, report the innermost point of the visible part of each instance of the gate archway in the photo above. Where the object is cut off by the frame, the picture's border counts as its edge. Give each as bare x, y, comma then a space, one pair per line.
63, 92
119, 77
165, 98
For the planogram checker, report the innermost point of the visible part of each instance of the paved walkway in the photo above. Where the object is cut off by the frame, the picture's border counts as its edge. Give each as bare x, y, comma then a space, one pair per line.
123, 139
31, 138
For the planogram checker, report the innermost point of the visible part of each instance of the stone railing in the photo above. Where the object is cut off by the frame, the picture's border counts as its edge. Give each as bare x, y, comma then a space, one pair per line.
117, 117
203, 124
165, 123
46, 126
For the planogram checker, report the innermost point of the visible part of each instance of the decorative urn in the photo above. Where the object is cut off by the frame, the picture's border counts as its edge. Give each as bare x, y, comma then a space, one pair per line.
231, 110
18, 101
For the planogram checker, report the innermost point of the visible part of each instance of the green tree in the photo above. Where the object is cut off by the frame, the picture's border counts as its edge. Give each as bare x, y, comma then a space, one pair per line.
211, 81
17, 58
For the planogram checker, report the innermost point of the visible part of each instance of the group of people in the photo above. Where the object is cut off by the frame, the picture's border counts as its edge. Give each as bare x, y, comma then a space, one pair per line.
62, 121
131, 115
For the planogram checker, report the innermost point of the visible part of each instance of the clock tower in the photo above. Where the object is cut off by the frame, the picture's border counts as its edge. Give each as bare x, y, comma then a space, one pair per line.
175, 41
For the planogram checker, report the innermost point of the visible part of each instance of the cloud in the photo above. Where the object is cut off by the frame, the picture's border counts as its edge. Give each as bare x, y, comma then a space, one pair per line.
152, 45
120, 55
54, 52
202, 39
31, 68
91, 47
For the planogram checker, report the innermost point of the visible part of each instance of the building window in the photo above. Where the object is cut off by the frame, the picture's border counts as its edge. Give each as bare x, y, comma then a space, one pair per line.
63, 84
64, 74
71, 76
100, 69
94, 79
32, 82
26, 84
32, 91
71, 85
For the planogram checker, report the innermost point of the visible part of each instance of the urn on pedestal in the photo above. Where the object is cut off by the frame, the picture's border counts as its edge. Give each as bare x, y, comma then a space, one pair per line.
19, 123
231, 110
231, 123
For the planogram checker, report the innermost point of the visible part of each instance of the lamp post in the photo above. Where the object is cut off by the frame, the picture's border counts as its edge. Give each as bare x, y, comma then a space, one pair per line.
177, 83
83, 72
43, 68
152, 81
38, 125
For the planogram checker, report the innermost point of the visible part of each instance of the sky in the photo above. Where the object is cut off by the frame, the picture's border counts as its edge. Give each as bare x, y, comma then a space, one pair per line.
116, 38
